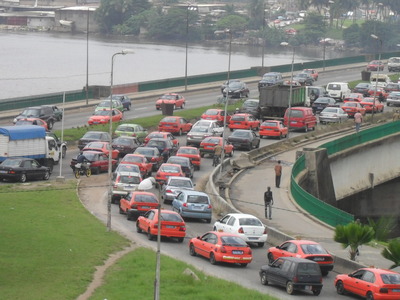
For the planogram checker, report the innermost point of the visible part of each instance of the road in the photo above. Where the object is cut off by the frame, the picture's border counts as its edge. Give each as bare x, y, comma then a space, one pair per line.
96, 200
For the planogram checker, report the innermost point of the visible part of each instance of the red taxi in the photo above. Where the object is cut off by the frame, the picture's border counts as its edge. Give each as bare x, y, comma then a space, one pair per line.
137, 203
141, 161
303, 249
32, 121
221, 247
103, 116
312, 72
370, 283
352, 107
177, 100
172, 224
192, 153
369, 105
380, 92
243, 121
273, 128
161, 135
166, 170
354, 97
102, 147
207, 146
216, 114
174, 124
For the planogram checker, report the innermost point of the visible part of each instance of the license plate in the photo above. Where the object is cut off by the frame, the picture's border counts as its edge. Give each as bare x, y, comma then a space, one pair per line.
169, 226
319, 259
145, 207
237, 252
253, 238
2, 171
396, 290
237, 123
197, 207
293, 122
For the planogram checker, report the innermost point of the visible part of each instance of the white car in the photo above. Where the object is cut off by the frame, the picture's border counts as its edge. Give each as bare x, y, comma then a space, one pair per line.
333, 115
174, 186
123, 183
248, 227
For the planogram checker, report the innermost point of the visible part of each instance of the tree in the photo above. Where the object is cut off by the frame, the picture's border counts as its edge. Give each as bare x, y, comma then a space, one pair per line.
392, 252
232, 22
353, 235
351, 36
383, 227
256, 14
314, 29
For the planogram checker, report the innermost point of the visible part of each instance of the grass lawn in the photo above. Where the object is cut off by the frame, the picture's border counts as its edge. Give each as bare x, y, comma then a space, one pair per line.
134, 275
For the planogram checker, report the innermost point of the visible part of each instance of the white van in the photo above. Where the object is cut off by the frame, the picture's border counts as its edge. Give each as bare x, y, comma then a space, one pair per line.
338, 90
394, 64
383, 80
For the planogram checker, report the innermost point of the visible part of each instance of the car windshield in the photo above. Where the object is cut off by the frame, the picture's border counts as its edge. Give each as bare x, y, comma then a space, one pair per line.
132, 158
313, 249
169, 120
250, 222
169, 169
92, 135
351, 104
395, 95
127, 168
269, 124
95, 145
187, 151
90, 156
125, 128
233, 241
158, 144
334, 87
24, 122
330, 110
250, 103
390, 278
239, 133
212, 140
171, 217
178, 160
145, 198
203, 123
362, 85
238, 118
302, 75
122, 141
269, 77
211, 112
146, 152
11, 163
296, 113
235, 85
31, 112
155, 135
201, 199
104, 112
128, 179
308, 269
168, 97
106, 103
321, 100
180, 183
200, 129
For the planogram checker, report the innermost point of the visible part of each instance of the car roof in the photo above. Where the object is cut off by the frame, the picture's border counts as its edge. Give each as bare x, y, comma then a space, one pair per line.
124, 173
239, 215
302, 241
298, 259
179, 178
192, 192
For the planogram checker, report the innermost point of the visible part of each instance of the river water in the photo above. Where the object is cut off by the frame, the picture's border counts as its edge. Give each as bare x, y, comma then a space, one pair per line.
34, 63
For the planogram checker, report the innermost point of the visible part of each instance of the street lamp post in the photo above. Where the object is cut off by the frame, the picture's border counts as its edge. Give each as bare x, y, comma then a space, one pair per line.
123, 52
285, 44
324, 42
377, 74
263, 39
190, 7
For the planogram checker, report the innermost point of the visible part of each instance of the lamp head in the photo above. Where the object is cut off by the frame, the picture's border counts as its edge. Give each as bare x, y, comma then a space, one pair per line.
285, 44
127, 51
374, 36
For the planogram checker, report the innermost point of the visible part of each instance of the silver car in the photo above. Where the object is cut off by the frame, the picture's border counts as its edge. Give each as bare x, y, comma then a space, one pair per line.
124, 183
333, 115
202, 129
193, 204
393, 99
174, 186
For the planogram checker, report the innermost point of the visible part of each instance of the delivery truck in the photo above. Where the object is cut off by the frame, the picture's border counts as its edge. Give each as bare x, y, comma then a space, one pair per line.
29, 141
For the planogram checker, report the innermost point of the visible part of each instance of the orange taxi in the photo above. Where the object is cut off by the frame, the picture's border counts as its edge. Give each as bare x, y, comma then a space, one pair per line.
273, 128
216, 114
380, 92
370, 283
172, 224
192, 153
352, 107
166, 170
102, 147
141, 161
243, 121
103, 116
161, 135
368, 104
303, 249
32, 121
137, 203
312, 72
354, 97
174, 124
207, 146
177, 100
220, 246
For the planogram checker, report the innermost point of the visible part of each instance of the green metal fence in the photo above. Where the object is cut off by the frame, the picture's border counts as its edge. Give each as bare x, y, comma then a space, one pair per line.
319, 209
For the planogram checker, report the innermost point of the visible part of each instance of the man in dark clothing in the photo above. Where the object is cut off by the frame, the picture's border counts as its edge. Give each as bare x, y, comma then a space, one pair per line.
268, 201
278, 173
81, 158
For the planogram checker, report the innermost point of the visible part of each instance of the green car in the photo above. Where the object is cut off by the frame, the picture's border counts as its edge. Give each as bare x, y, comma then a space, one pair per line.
134, 130
105, 104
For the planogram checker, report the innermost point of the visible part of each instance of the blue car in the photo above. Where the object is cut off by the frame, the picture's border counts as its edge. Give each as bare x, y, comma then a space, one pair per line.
193, 204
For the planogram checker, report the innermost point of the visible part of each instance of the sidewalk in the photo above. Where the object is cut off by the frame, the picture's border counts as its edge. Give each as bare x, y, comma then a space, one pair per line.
247, 195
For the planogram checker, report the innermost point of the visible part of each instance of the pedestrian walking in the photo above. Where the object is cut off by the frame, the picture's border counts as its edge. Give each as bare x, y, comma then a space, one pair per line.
396, 115
358, 119
268, 202
278, 174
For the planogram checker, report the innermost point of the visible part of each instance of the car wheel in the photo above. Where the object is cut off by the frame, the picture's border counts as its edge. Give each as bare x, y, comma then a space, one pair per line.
183, 105
243, 265
212, 259
150, 236
201, 154
260, 245
129, 107
289, 288
64, 152
370, 296
121, 211
270, 258
316, 292
192, 252
208, 221
231, 153
263, 278
96, 170
180, 240
46, 175
157, 108
23, 177
138, 229
258, 145
306, 128
324, 272
50, 124
180, 132
174, 107
249, 147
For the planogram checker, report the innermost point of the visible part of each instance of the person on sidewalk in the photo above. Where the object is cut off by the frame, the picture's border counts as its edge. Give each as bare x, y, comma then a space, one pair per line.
217, 155
268, 202
358, 119
278, 173
396, 115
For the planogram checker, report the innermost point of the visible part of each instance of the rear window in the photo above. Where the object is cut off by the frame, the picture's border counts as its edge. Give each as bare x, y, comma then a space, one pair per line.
391, 278
171, 217
334, 87
169, 120
351, 104
270, 124
249, 222
211, 112
125, 128
92, 135
233, 241
296, 113
238, 118
308, 269
201, 199
145, 198
313, 249
180, 183
129, 179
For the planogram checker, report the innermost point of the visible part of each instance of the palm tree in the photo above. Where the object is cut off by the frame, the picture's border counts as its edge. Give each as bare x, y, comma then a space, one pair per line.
353, 235
392, 252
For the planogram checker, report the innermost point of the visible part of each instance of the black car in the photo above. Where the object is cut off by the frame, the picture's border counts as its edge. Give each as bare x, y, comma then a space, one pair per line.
271, 78
165, 146
125, 144
152, 155
44, 112
236, 89
93, 136
225, 84
125, 100
23, 169
362, 88
304, 79
321, 103
184, 162
296, 274
392, 87
242, 138
250, 106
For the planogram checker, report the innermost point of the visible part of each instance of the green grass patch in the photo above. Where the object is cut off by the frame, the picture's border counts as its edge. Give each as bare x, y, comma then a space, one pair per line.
50, 244
134, 274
